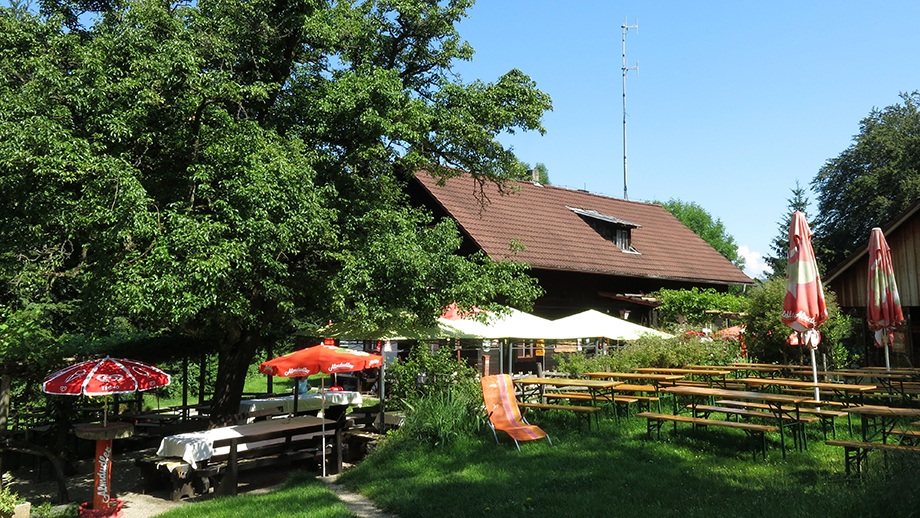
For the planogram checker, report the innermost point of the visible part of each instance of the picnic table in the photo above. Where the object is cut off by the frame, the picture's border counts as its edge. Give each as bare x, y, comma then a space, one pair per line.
882, 419
784, 408
597, 390
191, 460
735, 369
845, 392
305, 402
712, 376
895, 383
653, 380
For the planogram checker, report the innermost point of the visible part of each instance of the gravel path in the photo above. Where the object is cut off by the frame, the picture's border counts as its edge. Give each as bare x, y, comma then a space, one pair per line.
128, 485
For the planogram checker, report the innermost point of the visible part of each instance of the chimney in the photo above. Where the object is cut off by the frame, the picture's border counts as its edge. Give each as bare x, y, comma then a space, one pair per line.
534, 175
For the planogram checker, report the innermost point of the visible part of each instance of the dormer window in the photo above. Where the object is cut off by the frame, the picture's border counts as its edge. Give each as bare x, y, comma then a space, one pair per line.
613, 229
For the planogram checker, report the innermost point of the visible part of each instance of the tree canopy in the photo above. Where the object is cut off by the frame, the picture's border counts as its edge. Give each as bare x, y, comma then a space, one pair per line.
702, 224
780, 245
870, 182
233, 170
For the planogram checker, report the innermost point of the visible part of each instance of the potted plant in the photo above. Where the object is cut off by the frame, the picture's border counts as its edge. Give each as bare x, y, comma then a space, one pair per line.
11, 506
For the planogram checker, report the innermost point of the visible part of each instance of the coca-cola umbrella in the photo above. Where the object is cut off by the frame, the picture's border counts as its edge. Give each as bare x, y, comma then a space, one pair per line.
103, 377
883, 304
327, 359
804, 308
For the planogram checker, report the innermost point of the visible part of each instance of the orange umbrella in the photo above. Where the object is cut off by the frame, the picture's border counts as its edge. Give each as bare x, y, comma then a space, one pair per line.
804, 308
320, 358
882, 302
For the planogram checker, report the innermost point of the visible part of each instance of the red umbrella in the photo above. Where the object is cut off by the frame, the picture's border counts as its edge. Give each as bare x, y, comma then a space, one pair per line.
103, 377
882, 302
320, 358
804, 308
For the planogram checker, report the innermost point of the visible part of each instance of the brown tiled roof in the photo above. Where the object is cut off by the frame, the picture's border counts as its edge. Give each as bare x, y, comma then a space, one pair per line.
556, 238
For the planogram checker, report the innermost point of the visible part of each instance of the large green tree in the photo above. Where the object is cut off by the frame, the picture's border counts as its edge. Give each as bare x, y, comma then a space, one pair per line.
233, 170
870, 182
780, 245
702, 224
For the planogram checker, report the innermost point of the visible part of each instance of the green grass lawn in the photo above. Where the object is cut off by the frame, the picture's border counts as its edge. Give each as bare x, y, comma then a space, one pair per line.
302, 496
617, 471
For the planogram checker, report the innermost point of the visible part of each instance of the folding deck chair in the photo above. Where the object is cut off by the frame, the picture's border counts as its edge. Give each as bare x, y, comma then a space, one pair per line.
504, 413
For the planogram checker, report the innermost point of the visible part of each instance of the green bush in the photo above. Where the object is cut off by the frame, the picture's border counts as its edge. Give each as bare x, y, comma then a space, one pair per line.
690, 306
766, 334
441, 418
441, 397
423, 373
654, 351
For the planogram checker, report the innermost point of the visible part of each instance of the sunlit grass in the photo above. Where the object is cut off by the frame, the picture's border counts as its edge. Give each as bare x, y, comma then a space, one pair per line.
617, 471
302, 496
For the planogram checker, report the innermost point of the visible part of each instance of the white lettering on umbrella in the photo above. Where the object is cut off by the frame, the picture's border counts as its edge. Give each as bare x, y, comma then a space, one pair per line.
110, 378
341, 366
297, 370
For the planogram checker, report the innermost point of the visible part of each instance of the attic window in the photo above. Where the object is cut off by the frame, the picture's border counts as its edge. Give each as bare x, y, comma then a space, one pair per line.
613, 229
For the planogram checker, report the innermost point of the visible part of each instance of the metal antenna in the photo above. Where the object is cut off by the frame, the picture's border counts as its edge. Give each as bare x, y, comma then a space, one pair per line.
626, 69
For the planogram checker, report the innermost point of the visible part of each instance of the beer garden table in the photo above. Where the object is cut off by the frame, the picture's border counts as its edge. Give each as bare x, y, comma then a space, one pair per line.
785, 418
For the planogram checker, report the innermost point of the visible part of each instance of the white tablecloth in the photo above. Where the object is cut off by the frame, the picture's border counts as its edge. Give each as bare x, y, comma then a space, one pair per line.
309, 401
197, 446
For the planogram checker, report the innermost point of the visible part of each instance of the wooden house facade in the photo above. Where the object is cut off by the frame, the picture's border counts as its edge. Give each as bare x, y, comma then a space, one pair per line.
850, 282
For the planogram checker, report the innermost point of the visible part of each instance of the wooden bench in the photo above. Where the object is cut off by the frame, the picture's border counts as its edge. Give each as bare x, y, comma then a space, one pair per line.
274, 448
856, 453
624, 400
908, 437
824, 415
657, 420
586, 411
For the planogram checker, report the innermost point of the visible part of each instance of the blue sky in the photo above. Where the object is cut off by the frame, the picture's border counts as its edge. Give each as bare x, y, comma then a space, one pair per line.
733, 103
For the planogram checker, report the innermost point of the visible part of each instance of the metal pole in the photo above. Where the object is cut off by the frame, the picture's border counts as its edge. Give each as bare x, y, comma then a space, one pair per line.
626, 69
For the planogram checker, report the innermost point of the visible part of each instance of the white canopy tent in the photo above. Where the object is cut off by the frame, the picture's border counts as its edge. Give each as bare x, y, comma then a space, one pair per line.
594, 324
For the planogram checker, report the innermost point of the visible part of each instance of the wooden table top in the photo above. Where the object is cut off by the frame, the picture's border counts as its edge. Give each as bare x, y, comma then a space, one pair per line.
635, 376
568, 382
883, 411
770, 365
857, 374
843, 387
695, 372
735, 394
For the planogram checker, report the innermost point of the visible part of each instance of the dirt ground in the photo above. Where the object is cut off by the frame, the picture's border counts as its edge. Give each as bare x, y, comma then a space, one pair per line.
127, 485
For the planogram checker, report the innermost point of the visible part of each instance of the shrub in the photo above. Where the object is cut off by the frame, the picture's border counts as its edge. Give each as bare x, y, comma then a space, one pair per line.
441, 397
654, 351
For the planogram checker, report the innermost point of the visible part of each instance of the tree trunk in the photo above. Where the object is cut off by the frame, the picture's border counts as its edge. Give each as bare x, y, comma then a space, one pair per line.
234, 359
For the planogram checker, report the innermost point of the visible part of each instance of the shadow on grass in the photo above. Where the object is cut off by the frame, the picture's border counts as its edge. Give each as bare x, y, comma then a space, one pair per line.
612, 471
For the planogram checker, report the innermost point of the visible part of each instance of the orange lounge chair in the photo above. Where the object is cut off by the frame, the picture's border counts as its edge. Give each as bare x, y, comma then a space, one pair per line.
504, 414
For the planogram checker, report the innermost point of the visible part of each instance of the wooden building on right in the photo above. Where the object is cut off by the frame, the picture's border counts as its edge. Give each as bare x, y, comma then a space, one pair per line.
850, 281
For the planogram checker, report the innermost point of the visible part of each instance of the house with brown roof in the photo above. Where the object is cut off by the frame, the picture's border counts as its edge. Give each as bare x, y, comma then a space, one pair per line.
850, 282
587, 251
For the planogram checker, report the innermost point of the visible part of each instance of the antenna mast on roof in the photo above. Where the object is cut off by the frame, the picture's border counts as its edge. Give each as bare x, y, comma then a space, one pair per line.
626, 69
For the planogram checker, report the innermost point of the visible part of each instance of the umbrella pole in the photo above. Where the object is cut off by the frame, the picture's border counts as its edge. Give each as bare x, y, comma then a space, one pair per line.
814, 373
382, 394
296, 393
322, 384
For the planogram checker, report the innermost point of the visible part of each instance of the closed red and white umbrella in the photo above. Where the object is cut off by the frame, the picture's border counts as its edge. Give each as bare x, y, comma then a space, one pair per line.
883, 304
804, 308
